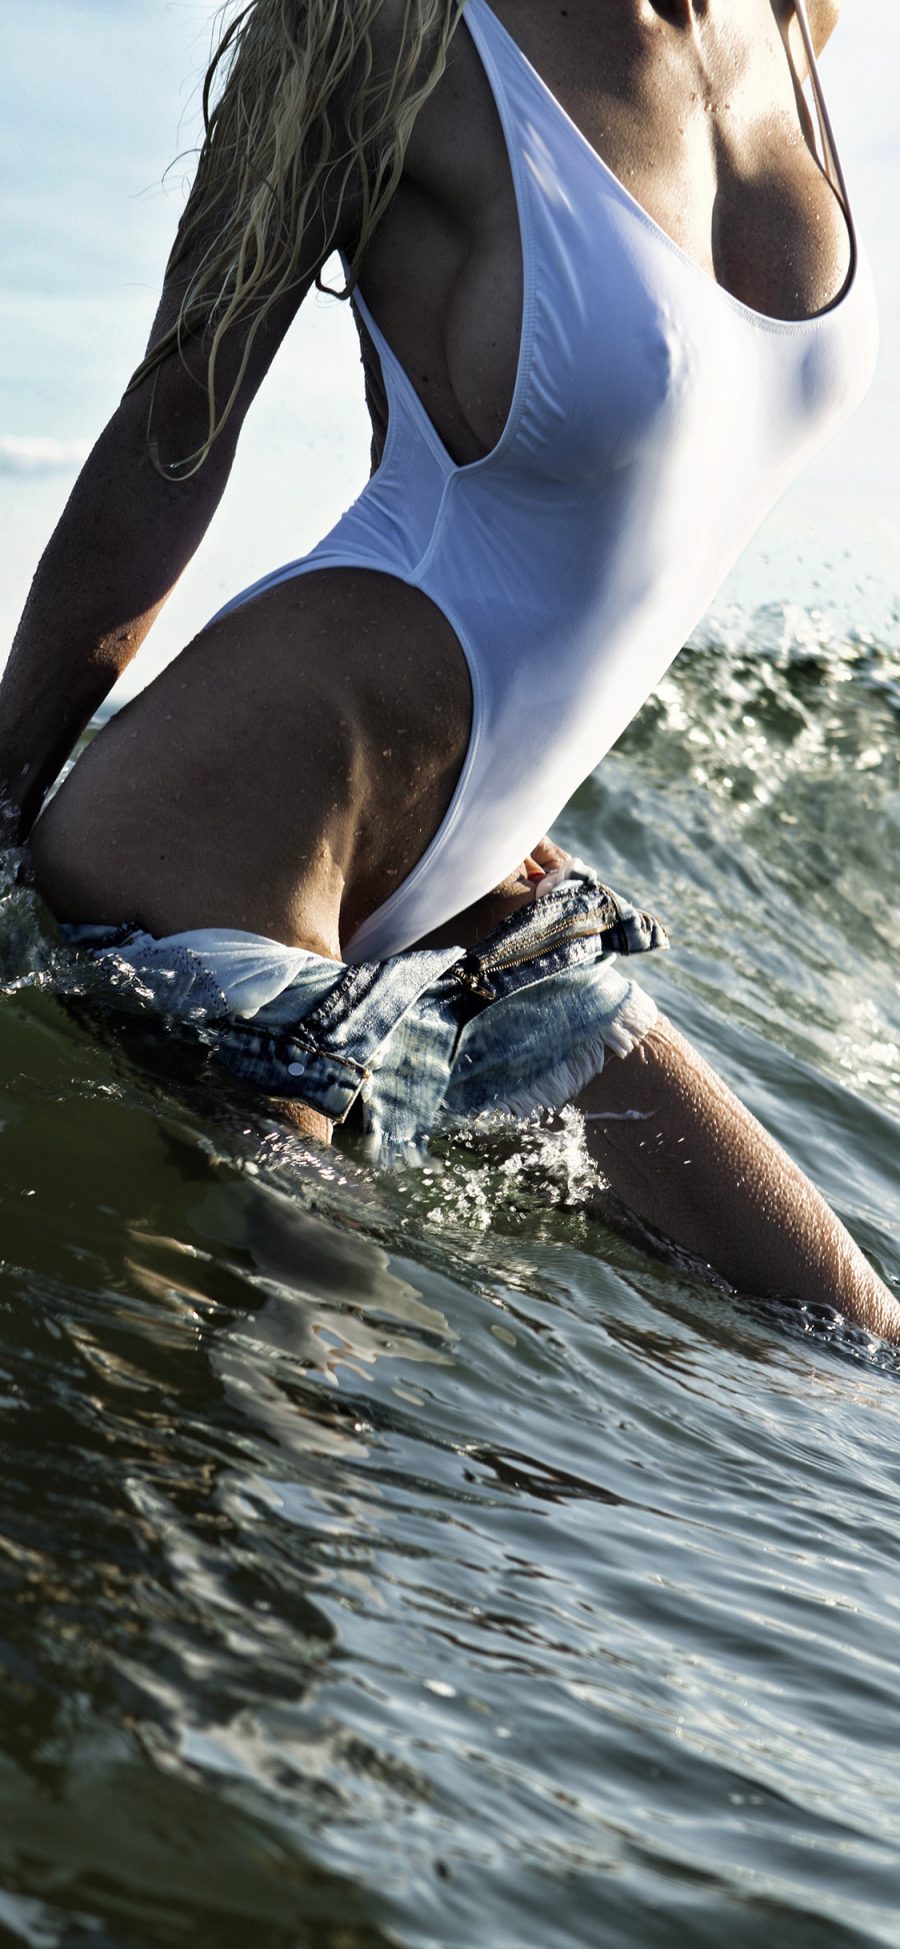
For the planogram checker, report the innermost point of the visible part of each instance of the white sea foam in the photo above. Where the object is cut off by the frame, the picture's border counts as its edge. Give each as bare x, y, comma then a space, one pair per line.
29, 454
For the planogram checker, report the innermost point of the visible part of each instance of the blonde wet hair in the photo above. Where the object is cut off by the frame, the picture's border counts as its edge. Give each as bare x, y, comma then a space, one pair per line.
297, 119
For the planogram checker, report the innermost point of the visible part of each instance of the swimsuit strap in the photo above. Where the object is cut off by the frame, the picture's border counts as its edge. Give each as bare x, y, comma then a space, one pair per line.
830, 155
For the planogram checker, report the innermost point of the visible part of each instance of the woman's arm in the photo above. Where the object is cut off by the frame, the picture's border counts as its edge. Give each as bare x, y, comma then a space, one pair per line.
145, 497
124, 538
303, 150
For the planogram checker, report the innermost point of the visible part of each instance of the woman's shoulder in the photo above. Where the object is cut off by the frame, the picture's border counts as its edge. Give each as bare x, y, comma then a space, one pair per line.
823, 18
397, 30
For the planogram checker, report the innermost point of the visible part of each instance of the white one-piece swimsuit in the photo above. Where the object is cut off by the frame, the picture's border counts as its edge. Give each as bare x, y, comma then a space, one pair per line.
654, 421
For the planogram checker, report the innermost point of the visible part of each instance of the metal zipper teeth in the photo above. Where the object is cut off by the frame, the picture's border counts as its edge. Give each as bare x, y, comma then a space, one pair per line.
473, 979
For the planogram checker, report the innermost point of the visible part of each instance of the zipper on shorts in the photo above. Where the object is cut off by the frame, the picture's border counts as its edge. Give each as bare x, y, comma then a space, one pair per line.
473, 978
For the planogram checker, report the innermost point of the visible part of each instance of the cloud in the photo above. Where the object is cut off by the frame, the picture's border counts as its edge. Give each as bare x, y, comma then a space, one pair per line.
26, 454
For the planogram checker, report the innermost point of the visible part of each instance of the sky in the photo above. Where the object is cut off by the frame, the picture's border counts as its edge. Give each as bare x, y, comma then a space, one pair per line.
99, 99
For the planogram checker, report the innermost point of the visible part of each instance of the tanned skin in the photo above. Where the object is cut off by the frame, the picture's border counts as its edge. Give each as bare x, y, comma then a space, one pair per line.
288, 770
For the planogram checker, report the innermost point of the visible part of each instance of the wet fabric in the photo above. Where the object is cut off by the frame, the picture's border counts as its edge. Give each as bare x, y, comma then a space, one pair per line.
521, 1021
655, 419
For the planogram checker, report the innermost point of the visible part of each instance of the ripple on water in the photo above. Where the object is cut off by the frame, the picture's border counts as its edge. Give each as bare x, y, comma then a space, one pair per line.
420, 1561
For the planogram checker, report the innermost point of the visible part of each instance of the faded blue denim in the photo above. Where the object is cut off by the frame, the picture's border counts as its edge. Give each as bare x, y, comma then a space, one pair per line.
521, 1021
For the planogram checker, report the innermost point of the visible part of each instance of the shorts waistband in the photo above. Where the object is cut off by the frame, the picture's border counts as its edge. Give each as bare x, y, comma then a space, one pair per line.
296, 1024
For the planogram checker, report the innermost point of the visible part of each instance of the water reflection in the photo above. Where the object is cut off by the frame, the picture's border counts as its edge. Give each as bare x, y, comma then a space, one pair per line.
418, 1560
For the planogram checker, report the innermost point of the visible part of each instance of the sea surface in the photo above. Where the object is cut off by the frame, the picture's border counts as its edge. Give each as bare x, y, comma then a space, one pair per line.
413, 1561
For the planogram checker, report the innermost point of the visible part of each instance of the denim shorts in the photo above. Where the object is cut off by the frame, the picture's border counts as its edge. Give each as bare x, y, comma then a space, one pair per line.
520, 1022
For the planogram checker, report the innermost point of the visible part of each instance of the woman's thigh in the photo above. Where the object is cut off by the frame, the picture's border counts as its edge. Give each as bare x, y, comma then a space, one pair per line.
687, 1158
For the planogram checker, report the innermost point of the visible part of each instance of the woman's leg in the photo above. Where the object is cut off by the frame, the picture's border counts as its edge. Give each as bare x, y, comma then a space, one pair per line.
309, 1122
686, 1157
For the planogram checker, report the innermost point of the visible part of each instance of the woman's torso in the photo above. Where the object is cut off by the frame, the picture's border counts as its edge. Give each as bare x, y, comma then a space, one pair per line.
700, 125
696, 116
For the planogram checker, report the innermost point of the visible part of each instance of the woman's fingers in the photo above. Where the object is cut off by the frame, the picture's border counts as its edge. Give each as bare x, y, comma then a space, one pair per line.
545, 857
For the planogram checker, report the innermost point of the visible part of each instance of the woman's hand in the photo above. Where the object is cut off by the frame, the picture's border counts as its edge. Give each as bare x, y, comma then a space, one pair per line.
545, 858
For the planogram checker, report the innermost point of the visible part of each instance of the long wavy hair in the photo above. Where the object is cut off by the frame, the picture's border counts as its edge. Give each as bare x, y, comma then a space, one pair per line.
297, 121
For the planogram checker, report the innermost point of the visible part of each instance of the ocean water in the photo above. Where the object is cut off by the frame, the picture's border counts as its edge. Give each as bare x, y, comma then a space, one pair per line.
413, 1562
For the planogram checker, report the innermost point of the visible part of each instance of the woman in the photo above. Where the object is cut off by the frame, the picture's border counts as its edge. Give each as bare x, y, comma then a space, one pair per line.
609, 302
